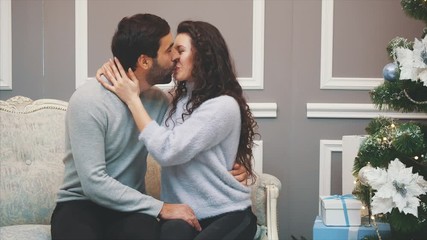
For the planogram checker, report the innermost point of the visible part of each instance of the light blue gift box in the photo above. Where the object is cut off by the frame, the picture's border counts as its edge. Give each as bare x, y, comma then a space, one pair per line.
323, 232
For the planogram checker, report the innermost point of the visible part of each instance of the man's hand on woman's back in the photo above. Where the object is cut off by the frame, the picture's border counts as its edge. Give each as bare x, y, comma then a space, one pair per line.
240, 173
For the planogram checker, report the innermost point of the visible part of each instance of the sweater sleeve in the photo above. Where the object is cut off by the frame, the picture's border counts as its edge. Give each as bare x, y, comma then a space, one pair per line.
207, 126
86, 124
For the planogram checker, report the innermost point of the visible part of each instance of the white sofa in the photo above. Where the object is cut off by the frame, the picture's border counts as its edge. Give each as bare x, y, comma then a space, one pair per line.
32, 147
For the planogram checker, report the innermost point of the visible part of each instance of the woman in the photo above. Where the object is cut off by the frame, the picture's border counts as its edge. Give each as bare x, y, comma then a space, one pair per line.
209, 126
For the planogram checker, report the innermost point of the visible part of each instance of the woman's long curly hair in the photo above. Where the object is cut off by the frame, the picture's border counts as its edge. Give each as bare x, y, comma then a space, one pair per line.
214, 75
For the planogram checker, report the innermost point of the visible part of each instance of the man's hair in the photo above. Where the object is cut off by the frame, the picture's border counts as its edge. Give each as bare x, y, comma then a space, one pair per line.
136, 35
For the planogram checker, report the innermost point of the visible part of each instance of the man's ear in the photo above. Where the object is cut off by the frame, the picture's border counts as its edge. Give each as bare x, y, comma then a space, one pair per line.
145, 62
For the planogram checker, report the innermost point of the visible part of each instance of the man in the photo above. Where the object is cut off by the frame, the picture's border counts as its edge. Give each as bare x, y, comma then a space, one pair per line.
103, 193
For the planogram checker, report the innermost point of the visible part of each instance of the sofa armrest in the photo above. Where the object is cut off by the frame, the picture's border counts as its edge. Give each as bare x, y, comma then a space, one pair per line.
271, 215
265, 192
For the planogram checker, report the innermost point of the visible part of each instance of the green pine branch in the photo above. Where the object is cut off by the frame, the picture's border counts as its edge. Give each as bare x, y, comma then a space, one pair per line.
401, 96
415, 8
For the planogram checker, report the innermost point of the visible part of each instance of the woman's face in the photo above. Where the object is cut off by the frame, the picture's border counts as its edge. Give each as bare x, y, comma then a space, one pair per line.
183, 56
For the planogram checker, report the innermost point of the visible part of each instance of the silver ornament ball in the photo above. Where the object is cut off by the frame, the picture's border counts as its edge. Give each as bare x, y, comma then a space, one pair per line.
363, 174
391, 72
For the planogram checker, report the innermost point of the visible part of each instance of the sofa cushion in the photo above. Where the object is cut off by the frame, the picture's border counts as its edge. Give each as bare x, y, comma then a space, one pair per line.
27, 232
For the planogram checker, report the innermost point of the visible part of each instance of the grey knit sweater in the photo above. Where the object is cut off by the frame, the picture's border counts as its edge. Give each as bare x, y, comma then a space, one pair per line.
104, 160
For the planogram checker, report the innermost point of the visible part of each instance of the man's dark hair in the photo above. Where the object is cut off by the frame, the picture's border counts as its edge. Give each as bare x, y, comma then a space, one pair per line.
136, 35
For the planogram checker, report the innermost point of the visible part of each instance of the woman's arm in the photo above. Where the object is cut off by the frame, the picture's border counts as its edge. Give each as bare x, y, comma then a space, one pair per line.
208, 125
126, 87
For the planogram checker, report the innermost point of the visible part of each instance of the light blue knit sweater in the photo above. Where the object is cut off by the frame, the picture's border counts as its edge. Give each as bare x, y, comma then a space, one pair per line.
196, 156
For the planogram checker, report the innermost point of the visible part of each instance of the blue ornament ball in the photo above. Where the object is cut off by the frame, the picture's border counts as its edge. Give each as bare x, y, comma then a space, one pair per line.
391, 72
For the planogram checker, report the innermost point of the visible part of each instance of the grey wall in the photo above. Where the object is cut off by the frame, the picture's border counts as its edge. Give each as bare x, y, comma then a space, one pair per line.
42, 49
43, 55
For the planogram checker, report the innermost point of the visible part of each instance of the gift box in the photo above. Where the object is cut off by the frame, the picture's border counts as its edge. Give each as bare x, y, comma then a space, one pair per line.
340, 210
323, 232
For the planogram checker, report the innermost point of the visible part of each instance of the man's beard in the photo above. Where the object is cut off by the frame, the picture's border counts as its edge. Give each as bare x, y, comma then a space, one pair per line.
159, 75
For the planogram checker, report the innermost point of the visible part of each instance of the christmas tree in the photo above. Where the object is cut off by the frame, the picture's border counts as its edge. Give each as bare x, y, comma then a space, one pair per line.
391, 165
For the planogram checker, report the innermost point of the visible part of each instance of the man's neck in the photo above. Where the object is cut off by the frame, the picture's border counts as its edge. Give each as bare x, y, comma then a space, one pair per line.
144, 86
143, 83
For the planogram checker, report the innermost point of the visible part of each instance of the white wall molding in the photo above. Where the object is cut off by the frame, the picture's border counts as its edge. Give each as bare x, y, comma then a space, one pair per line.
5, 45
81, 47
258, 109
327, 81
256, 81
258, 156
350, 149
263, 110
327, 147
353, 110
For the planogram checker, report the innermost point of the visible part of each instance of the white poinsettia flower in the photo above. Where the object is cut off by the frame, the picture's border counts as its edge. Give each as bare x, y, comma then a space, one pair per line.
420, 59
381, 205
397, 187
411, 207
423, 77
413, 63
377, 178
420, 53
405, 57
422, 183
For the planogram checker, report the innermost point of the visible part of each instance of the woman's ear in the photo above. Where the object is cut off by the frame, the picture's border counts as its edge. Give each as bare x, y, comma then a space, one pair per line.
145, 62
